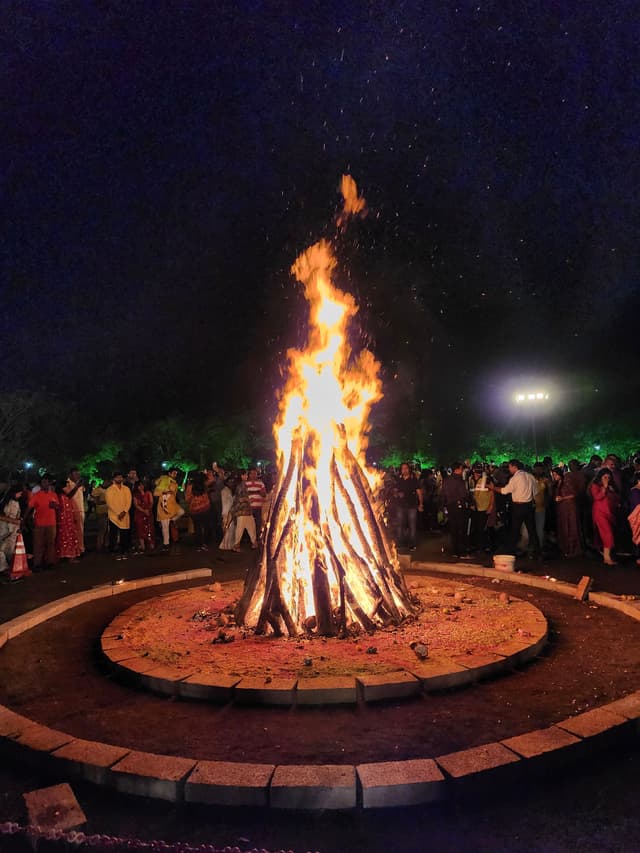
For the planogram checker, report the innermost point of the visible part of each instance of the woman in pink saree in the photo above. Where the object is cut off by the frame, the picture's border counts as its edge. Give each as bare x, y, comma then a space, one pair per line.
606, 502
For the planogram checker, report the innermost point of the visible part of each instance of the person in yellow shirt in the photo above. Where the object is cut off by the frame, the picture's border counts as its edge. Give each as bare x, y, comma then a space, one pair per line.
118, 498
541, 500
169, 509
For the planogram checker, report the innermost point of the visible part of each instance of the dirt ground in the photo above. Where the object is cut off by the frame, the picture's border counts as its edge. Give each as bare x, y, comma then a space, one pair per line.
194, 631
54, 673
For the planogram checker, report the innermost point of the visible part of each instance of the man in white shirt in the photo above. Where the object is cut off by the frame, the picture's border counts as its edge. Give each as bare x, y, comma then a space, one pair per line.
522, 487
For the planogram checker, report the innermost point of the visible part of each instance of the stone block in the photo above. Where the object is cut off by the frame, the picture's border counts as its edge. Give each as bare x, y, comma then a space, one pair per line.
118, 626
12, 724
326, 691
192, 574
89, 760
138, 583
313, 787
78, 598
548, 748
400, 783
628, 706
136, 666
163, 679
481, 666
213, 688
519, 652
582, 590
20, 624
37, 738
278, 691
104, 590
440, 674
390, 685
477, 760
599, 723
121, 651
225, 783
107, 644
150, 775
174, 577
54, 808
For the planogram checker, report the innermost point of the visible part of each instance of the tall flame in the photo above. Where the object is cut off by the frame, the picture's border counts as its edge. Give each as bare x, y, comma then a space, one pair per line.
326, 561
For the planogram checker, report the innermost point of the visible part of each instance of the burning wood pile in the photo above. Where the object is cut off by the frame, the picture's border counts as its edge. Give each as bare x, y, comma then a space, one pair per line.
327, 566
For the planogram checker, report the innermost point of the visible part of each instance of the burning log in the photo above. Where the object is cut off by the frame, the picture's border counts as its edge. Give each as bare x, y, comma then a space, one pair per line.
326, 565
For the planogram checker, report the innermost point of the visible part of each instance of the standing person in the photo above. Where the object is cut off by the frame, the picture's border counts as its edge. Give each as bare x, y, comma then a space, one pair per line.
10, 513
143, 517
523, 488
42, 506
118, 498
74, 490
215, 484
482, 501
169, 510
455, 498
242, 513
200, 511
634, 515
131, 481
98, 496
228, 522
67, 543
407, 504
541, 500
257, 494
606, 502
567, 521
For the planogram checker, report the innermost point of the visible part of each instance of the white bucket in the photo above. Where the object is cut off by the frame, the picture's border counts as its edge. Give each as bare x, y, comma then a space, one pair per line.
504, 562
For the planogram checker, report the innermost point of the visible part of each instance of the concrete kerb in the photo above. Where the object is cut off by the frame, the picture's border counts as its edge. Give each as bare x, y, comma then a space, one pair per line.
28, 620
338, 787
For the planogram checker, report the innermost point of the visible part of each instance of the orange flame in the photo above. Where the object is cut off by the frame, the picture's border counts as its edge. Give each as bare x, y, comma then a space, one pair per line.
325, 546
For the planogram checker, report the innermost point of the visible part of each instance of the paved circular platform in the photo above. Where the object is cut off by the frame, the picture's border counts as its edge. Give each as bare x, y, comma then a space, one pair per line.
186, 644
371, 785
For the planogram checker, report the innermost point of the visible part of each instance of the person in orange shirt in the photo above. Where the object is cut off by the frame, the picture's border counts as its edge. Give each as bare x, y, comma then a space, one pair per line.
43, 505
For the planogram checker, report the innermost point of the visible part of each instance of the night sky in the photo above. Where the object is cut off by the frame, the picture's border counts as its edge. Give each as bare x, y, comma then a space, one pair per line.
163, 163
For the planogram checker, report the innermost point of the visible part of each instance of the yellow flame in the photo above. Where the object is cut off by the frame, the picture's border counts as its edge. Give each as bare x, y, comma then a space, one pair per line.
325, 548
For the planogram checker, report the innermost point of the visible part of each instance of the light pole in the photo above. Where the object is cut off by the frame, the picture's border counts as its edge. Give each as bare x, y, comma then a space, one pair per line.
532, 400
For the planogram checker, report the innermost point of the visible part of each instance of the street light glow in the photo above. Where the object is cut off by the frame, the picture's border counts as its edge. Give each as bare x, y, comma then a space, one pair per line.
531, 396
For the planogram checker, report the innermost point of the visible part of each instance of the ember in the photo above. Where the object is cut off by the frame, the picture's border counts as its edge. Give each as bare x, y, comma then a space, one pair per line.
327, 565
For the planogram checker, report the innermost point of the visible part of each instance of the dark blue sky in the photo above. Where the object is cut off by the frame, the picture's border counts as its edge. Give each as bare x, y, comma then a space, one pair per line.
163, 163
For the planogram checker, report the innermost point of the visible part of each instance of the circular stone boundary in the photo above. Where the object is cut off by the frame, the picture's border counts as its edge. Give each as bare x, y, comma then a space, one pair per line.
434, 674
372, 785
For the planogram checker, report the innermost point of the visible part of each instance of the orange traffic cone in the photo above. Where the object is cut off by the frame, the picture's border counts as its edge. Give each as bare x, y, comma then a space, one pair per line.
20, 567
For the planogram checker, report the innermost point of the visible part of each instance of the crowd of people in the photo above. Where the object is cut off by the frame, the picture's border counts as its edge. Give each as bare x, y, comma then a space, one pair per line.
542, 510
133, 515
485, 508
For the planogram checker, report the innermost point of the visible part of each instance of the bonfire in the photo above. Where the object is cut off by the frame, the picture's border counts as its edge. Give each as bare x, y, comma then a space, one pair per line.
327, 565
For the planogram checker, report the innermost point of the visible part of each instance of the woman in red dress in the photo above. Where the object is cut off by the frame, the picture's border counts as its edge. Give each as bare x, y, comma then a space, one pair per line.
67, 545
567, 526
143, 517
606, 502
